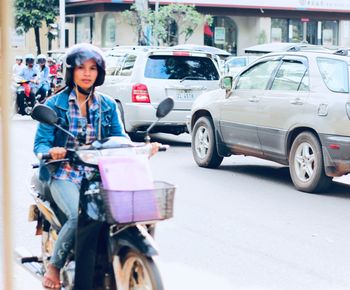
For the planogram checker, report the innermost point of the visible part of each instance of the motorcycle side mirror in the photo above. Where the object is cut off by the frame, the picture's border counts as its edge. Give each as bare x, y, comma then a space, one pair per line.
44, 114
165, 107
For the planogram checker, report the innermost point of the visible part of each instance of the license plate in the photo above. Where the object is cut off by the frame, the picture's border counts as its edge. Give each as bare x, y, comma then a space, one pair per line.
184, 95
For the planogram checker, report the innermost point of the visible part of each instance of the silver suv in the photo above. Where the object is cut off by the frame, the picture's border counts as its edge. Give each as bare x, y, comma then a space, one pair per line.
139, 78
290, 107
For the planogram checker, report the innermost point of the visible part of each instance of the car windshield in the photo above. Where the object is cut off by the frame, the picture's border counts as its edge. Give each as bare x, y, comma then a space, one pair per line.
180, 67
335, 74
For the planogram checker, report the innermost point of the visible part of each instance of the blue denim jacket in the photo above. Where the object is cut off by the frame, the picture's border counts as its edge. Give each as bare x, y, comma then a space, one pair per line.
48, 136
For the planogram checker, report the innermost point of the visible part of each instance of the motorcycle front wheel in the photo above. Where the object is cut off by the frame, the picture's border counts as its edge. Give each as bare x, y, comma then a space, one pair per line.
140, 272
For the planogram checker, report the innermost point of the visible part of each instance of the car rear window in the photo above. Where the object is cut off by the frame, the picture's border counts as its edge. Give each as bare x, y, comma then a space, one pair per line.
335, 74
180, 67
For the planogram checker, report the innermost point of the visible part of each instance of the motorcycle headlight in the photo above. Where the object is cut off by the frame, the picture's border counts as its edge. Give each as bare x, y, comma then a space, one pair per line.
89, 156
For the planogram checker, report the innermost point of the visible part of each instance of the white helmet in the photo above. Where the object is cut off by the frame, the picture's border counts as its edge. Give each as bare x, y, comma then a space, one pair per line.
41, 59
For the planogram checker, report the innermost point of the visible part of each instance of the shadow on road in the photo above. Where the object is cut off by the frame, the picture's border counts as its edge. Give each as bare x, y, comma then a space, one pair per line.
172, 140
281, 175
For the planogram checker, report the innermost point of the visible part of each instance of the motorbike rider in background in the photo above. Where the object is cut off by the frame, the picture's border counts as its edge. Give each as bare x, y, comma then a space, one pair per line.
29, 73
79, 108
52, 66
44, 81
18, 66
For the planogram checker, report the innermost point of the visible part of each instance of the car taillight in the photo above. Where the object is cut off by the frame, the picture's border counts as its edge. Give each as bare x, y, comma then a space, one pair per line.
140, 94
348, 109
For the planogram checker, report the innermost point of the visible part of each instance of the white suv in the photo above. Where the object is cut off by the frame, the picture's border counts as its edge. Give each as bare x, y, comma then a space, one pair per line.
140, 78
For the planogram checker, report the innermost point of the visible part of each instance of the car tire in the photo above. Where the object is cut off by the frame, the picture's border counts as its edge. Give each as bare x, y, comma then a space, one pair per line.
204, 148
306, 164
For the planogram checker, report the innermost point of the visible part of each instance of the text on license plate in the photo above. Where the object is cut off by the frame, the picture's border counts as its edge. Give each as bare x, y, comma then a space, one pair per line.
185, 95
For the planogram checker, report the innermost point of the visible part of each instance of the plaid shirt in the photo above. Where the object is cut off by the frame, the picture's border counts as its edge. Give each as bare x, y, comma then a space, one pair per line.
84, 133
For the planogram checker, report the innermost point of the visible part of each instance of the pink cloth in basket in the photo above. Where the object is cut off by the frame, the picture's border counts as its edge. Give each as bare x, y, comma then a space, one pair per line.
126, 172
129, 184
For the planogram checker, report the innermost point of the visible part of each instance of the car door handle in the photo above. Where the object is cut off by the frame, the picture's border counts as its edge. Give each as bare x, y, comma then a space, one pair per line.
253, 99
297, 101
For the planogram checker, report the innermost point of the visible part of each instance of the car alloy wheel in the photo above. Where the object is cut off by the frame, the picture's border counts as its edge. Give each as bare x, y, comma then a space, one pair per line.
204, 144
306, 164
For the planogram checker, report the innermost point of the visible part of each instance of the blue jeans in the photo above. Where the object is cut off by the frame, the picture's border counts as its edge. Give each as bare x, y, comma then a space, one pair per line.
66, 195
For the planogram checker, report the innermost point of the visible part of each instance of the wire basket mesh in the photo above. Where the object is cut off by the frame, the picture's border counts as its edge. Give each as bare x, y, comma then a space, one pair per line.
139, 205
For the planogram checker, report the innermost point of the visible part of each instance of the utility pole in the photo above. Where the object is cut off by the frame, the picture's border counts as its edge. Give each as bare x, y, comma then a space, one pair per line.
62, 24
155, 37
141, 8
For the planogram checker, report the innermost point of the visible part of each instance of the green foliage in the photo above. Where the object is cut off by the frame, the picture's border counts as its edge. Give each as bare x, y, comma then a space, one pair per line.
185, 16
31, 14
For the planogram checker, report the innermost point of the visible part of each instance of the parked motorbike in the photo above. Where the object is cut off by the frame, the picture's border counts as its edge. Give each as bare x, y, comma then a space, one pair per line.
114, 246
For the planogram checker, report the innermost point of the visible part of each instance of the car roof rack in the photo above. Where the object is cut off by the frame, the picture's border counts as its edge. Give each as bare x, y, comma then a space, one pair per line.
342, 51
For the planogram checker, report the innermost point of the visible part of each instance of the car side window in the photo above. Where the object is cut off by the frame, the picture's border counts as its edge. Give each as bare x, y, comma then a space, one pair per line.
128, 65
335, 74
291, 76
258, 76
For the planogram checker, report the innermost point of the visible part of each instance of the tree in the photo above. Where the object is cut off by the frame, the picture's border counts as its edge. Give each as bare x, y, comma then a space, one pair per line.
159, 23
31, 14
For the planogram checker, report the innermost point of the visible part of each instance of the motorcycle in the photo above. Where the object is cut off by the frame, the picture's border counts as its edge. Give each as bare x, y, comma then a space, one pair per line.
25, 97
56, 82
114, 246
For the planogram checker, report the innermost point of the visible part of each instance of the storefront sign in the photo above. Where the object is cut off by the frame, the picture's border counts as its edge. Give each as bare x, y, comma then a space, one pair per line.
219, 35
315, 5
17, 40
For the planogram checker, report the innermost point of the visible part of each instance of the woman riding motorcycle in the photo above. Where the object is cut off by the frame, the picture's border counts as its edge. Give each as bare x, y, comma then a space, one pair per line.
88, 116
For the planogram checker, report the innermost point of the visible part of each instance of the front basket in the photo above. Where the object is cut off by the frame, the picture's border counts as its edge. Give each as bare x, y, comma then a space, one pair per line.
139, 205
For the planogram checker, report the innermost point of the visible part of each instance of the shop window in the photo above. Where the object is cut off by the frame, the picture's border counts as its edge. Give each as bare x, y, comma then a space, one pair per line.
296, 30
83, 29
329, 33
108, 31
279, 30
222, 33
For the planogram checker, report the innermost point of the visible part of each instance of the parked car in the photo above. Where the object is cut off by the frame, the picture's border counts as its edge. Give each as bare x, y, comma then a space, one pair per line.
234, 64
220, 55
265, 48
290, 107
139, 78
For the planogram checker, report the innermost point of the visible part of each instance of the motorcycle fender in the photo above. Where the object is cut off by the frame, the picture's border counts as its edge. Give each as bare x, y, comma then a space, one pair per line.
136, 238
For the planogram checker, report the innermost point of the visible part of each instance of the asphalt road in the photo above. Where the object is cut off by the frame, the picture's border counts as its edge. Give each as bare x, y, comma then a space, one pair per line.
242, 226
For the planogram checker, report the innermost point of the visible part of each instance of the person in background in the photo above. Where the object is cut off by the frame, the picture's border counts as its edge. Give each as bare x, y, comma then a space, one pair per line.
52, 66
44, 81
30, 73
18, 66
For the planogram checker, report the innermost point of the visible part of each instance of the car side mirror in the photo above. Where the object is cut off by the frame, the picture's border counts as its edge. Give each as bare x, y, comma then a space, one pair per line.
226, 83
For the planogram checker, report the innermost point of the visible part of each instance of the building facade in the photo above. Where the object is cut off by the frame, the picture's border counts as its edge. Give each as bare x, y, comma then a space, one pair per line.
236, 24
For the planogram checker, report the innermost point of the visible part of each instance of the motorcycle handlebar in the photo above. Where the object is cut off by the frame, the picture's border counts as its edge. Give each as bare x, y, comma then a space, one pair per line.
44, 156
163, 148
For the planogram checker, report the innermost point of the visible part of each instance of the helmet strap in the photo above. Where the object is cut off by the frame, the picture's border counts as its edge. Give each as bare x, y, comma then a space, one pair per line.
84, 92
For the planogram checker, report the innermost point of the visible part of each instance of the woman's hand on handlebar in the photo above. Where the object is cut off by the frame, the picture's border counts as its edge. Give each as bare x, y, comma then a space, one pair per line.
154, 148
58, 153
